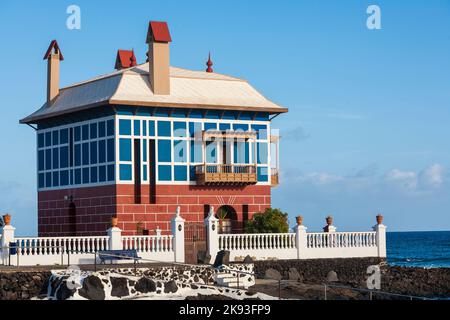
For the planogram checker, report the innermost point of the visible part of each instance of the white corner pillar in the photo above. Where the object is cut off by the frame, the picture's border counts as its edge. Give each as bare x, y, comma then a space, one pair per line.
7, 237
380, 229
178, 237
301, 241
115, 238
212, 234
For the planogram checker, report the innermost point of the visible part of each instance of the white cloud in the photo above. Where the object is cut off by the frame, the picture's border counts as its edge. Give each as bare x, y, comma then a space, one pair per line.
402, 179
432, 176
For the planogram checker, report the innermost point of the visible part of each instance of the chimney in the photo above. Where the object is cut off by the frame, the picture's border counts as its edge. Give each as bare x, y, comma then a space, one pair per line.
158, 39
125, 59
53, 57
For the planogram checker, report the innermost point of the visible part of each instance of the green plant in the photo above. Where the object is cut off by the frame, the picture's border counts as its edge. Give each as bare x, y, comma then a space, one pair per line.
222, 214
270, 221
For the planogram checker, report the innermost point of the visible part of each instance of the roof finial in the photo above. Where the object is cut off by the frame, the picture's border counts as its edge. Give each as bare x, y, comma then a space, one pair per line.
209, 64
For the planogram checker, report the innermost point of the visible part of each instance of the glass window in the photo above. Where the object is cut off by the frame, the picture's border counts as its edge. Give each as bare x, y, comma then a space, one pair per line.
55, 178
55, 160
93, 130
194, 127
102, 174
94, 152
164, 151
165, 173
101, 129
144, 172
94, 177
180, 151
65, 178
125, 149
144, 150
211, 152
224, 126
240, 127
77, 134
41, 139
64, 136
102, 151
241, 152
151, 128
48, 159
64, 157
180, 173
210, 126
111, 172
164, 129
41, 180
48, 180
263, 174
77, 176
144, 128
41, 160
137, 127
111, 150
85, 175
48, 139
263, 153
196, 152
192, 173
85, 149
110, 127
125, 127
261, 131
179, 129
125, 172
77, 155
55, 135
85, 132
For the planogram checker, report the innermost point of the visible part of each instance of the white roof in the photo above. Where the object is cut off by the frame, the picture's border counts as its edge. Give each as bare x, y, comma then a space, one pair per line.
188, 89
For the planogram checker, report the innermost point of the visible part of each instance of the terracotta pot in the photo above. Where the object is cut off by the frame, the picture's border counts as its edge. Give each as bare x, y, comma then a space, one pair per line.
379, 219
299, 220
114, 222
329, 220
7, 219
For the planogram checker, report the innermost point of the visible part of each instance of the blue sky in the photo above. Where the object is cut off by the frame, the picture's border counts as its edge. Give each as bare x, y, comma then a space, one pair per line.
367, 130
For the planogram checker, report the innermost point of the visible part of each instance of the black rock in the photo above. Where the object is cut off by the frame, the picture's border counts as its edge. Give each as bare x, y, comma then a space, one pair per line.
63, 292
119, 287
222, 258
170, 287
203, 257
56, 282
193, 286
273, 274
145, 285
92, 289
44, 289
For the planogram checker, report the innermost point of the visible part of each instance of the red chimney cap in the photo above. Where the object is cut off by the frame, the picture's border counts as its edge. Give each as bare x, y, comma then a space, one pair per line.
125, 59
158, 31
53, 46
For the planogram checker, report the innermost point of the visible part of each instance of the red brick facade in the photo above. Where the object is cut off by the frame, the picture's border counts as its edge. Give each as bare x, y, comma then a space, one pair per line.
92, 208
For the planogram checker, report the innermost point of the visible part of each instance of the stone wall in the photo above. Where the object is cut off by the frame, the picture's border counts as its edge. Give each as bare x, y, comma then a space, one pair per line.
22, 285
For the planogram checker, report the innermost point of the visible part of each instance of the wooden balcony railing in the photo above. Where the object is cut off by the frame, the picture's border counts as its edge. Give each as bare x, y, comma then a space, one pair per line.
226, 174
274, 178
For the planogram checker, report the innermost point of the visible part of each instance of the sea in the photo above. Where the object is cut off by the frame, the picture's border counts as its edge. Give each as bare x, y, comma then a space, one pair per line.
419, 249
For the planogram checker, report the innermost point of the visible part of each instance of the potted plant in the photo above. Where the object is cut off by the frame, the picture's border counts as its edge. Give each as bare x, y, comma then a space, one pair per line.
140, 228
299, 220
7, 219
224, 223
114, 221
329, 220
379, 219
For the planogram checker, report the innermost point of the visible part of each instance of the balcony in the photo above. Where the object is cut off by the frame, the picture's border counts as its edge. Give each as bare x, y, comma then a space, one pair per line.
208, 174
274, 178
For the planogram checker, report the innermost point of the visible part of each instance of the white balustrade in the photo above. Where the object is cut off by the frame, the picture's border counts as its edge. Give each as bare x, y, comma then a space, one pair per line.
148, 243
341, 240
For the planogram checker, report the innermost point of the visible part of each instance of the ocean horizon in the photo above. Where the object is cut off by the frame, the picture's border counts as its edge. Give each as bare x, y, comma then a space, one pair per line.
426, 249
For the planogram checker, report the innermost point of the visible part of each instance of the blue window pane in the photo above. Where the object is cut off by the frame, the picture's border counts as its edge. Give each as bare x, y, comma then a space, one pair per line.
102, 151
102, 174
179, 129
48, 139
164, 129
192, 173
224, 126
144, 128
55, 135
151, 128
180, 173
263, 174
180, 151
93, 131
85, 132
124, 127
85, 149
48, 180
101, 129
48, 159
210, 126
64, 157
94, 152
85, 175
137, 127
164, 151
56, 179
196, 152
144, 172
263, 153
111, 173
41, 180
240, 127
71, 177
211, 152
165, 173
77, 134
195, 128
77, 155
261, 131
64, 136
65, 178
241, 152
41, 160
55, 158
110, 127
77, 176
94, 178
111, 150
144, 150
125, 172
41, 139
125, 149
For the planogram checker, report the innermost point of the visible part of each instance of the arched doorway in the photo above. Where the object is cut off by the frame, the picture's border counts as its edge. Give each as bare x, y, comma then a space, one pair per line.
72, 219
227, 219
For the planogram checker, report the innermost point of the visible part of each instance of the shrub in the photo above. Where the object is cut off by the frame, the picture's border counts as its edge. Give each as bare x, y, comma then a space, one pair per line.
270, 221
